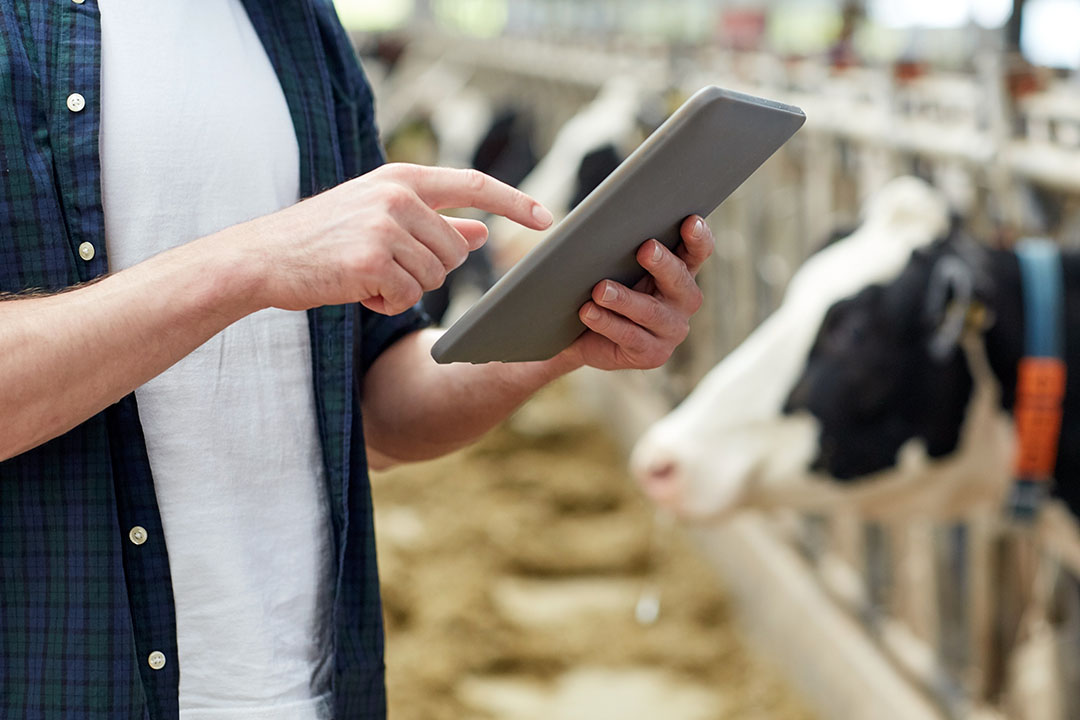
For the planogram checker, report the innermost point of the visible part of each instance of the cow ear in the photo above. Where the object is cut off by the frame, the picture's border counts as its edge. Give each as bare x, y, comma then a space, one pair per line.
950, 301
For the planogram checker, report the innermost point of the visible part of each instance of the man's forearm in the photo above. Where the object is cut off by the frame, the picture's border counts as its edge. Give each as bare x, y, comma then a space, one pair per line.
67, 356
415, 409
376, 239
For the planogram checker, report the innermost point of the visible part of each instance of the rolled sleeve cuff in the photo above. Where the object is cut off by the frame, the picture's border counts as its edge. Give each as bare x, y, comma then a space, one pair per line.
378, 332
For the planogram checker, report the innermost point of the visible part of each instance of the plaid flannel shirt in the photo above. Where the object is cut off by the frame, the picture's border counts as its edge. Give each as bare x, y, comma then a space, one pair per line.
82, 606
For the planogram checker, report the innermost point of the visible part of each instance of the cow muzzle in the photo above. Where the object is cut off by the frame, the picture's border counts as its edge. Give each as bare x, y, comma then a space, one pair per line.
661, 479
713, 474
691, 485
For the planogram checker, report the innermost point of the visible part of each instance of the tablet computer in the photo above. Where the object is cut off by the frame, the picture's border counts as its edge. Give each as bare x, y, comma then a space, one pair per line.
688, 166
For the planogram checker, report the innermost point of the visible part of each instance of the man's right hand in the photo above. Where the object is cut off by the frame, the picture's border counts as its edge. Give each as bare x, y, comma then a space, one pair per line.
378, 239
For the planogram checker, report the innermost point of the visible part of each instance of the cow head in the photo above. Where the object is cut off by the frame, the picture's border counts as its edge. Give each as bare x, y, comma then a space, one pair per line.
860, 388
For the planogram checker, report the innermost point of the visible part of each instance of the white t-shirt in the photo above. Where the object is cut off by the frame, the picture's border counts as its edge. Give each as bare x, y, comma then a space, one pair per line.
196, 136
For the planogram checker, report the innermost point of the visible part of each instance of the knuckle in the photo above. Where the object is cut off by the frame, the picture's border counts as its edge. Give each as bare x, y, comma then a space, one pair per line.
646, 348
383, 225
404, 299
684, 278
633, 340
372, 261
397, 197
394, 169
385, 232
434, 279
655, 359
388, 173
654, 314
697, 299
474, 180
526, 202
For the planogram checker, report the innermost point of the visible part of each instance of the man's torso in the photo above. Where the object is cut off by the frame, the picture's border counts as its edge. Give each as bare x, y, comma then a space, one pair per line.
196, 136
84, 606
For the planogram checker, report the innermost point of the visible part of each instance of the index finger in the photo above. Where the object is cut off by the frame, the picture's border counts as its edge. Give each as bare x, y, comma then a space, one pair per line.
697, 244
442, 188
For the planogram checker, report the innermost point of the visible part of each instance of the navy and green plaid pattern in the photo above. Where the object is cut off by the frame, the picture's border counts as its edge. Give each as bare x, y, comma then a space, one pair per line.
82, 607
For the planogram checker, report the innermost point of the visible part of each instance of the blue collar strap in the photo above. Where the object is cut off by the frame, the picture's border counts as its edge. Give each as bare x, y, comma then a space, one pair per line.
1040, 376
1044, 298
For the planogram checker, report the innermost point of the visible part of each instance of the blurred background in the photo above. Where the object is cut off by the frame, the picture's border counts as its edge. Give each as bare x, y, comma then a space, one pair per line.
527, 577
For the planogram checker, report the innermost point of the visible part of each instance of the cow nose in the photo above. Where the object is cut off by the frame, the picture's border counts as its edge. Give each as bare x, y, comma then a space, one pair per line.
661, 479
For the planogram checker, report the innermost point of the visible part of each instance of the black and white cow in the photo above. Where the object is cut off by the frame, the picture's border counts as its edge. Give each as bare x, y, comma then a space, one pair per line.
865, 387
586, 148
504, 150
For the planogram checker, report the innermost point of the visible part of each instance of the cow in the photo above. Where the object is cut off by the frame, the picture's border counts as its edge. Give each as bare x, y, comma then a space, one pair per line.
496, 141
467, 130
586, 148
875, 384
886, 383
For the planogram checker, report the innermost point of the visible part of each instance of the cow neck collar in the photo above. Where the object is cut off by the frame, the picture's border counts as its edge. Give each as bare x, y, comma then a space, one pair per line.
1041, 375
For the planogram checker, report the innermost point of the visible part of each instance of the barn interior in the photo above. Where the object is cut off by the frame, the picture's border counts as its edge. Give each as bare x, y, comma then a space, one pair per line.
530, 577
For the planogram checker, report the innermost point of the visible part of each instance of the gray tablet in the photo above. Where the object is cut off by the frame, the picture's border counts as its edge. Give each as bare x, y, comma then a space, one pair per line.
705, 150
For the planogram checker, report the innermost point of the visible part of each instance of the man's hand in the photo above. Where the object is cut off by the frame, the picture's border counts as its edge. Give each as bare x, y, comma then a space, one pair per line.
378, 239
415, 409
640, 328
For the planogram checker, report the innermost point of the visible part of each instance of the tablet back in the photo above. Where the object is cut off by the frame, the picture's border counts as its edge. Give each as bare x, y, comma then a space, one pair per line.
688, 166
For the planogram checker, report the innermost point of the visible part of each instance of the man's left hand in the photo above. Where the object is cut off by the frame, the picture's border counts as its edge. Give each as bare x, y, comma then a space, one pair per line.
415, 409
639, 328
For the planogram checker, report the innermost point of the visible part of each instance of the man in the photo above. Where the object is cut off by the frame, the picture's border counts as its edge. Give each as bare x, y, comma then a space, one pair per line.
185, 521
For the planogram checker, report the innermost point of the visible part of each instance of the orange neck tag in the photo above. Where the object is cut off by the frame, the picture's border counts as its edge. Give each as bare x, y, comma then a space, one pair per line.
1040, 389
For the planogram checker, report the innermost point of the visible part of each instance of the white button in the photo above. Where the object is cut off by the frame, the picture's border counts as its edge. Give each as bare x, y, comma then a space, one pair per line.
137, 535
78, 2
76, 102
156, 660
86, 251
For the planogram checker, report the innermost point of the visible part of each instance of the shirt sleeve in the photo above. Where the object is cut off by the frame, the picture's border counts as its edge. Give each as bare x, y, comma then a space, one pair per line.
378, 332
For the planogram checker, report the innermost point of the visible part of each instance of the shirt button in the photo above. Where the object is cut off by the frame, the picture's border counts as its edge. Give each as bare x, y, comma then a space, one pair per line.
78, 2
138, 536
156, 660
86, 251
76, 102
